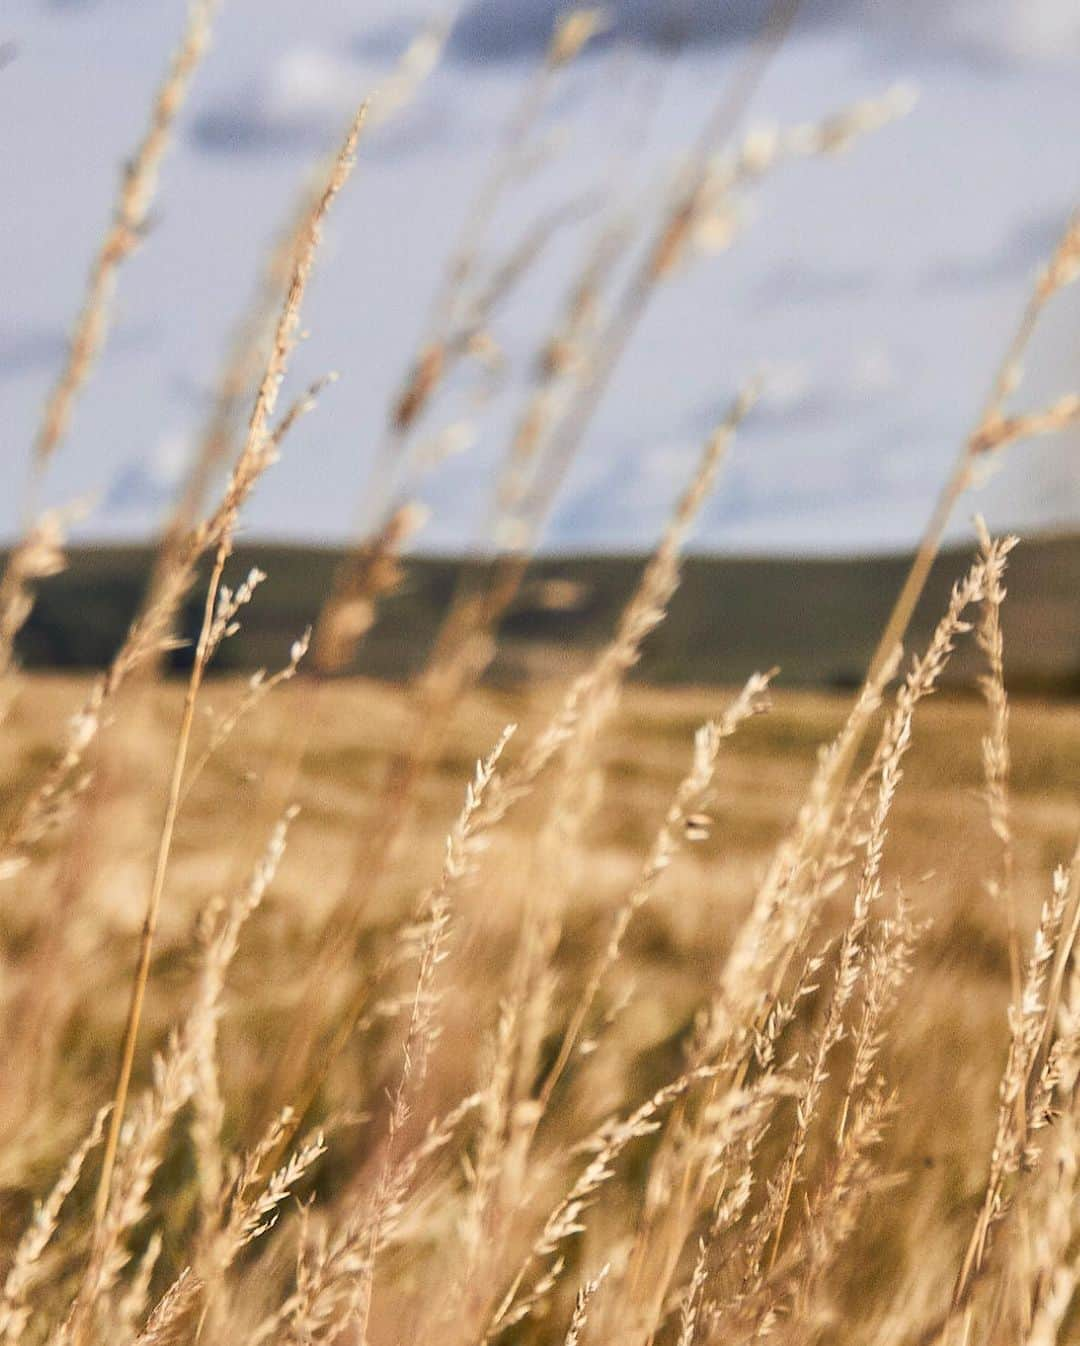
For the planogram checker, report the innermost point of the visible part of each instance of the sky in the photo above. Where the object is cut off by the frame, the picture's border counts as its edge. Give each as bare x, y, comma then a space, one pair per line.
874, 292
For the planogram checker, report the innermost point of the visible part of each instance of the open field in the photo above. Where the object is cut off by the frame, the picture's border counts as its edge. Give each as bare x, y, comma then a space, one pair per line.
946, 1043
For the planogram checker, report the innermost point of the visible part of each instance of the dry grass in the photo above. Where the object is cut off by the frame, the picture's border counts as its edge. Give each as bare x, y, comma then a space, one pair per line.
581, 1013
944, 1054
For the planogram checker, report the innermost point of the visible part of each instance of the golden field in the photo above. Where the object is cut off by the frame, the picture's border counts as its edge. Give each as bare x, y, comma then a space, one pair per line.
946, 1042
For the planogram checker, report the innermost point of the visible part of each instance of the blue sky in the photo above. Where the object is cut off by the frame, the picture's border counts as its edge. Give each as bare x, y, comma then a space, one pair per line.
875, 290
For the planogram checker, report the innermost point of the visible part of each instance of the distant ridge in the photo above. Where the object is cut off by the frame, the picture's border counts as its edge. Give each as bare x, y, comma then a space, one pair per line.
817, 618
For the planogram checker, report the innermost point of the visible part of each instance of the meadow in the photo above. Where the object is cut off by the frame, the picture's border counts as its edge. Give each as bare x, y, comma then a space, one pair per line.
945, 1042
565, 1009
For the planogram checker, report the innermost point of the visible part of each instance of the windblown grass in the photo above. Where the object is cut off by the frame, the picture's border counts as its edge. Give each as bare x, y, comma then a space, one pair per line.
578, 1013
944, 1051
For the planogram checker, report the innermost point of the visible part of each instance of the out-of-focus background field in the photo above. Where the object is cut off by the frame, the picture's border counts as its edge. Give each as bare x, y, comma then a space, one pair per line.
945, 1050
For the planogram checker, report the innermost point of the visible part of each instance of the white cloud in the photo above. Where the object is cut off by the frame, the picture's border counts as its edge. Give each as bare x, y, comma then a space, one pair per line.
309, 82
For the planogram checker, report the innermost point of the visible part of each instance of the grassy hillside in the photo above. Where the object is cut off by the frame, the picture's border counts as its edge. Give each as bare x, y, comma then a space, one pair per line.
817, 619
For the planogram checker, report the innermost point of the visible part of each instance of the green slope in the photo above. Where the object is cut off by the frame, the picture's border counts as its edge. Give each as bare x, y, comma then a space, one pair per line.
817, 619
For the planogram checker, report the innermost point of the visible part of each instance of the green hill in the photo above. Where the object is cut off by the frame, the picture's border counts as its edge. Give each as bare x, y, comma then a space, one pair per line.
817, 618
